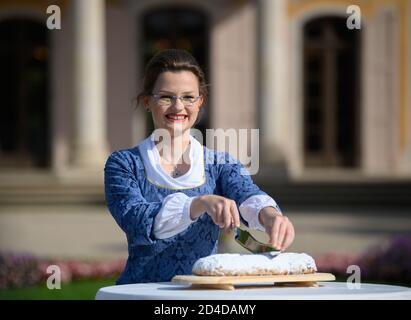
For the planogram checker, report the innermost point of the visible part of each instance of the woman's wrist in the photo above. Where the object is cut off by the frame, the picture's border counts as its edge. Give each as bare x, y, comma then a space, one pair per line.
267, 213
197, 207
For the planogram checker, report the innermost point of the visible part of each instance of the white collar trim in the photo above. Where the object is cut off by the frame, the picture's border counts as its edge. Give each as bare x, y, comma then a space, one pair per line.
156, 174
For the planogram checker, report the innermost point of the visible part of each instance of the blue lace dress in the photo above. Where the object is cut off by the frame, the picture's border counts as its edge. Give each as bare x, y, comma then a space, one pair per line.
134, 202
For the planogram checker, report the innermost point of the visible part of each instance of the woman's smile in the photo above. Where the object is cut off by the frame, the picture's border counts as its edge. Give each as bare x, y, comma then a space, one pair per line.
176, 117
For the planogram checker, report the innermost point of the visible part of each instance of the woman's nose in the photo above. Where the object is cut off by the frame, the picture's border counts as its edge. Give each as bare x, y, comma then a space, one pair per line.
177, 104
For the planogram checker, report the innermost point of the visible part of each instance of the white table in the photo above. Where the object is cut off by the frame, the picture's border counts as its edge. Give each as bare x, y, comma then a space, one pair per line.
326, 291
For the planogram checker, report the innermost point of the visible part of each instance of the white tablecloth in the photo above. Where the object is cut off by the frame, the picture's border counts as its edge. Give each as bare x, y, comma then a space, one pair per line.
326, 291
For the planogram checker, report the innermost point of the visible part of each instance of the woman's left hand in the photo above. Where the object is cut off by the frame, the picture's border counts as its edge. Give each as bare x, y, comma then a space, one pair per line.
278, 227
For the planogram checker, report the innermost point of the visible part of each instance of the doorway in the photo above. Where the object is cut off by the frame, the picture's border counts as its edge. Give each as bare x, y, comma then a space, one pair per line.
179, 28
24, 112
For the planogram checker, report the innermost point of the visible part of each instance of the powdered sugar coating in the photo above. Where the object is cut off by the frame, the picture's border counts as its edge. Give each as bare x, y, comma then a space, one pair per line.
235, 264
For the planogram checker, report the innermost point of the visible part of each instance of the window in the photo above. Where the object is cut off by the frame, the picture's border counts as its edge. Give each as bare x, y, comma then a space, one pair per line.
331, 93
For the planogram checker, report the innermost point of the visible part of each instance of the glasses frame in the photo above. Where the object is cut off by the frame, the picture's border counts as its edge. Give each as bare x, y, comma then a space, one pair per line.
157, 96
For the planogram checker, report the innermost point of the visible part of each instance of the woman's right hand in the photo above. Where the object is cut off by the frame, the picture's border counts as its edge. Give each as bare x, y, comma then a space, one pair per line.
222, 211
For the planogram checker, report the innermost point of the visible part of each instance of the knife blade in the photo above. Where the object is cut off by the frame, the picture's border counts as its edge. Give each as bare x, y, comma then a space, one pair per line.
247, 241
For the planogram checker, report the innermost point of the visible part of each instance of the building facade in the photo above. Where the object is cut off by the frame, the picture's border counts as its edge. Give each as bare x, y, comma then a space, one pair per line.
329, 101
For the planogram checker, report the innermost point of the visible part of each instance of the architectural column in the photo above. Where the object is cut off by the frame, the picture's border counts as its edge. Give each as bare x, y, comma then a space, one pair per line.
89, 76
234, 77
274, 82
233, 59
406, 158
380, 117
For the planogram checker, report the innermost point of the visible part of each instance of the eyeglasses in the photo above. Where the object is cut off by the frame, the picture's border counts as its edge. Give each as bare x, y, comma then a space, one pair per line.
167, 100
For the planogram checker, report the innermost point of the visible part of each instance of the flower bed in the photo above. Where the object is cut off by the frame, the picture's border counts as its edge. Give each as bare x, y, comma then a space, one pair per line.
390, 263
17, 270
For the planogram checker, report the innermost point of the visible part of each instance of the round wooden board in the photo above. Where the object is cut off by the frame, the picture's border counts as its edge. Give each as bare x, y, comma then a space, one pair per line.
228, 282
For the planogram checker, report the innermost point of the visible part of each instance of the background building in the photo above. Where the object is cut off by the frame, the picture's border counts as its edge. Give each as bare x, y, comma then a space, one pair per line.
332, 104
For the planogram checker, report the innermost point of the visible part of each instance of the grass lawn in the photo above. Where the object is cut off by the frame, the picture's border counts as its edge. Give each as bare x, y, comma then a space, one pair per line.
78, 290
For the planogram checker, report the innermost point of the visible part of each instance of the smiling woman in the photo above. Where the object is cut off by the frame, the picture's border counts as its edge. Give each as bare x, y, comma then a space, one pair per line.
170, 194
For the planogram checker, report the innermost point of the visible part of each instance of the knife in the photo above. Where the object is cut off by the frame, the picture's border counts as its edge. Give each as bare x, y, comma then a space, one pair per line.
247, 241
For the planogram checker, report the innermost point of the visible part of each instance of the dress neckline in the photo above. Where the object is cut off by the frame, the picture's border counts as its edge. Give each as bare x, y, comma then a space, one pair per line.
156, 175
157, 158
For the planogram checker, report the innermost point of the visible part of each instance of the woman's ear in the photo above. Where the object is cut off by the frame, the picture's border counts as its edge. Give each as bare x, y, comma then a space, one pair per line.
146, 103
201, 101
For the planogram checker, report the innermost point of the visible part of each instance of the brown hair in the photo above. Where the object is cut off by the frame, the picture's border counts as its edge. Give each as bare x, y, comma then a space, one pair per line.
171, 60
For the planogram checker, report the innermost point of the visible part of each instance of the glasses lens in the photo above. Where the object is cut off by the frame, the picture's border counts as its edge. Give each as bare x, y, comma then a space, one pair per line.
187, 100
164, 100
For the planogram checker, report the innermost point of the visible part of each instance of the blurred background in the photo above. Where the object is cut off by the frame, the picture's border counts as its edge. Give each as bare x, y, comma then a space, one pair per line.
332, 105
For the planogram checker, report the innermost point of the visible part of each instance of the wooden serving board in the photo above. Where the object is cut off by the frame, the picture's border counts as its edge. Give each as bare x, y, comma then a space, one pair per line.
228, 282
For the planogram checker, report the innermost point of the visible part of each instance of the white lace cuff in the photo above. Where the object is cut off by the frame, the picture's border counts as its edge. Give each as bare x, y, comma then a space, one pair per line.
174, 216
251, 207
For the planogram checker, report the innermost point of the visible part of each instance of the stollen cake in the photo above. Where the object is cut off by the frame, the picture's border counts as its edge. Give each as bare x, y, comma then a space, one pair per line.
234, 264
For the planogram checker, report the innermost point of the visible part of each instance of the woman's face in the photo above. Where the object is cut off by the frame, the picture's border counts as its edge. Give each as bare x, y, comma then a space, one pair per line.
176, 117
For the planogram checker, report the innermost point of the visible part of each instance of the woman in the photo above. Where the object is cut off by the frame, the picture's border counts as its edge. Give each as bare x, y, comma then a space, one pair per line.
170, 194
